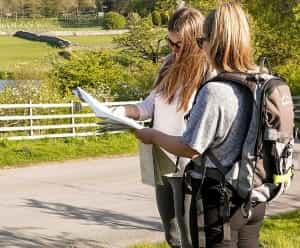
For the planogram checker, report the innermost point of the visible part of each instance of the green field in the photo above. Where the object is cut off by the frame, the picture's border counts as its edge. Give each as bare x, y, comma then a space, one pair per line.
93, 41
19, 51
14, 51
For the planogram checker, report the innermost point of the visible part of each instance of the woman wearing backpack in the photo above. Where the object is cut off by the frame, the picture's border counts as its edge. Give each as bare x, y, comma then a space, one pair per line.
170, 99
216, 130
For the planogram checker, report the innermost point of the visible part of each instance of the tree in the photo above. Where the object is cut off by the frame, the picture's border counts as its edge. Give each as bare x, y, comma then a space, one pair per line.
3, 7
275, 28
143, 7
165, 5
203, 5
68, 6
143, 39
164, 17
122, 6
50, 8
11, 7
31, 8
156, 19
114, 20
85, 5
99, 5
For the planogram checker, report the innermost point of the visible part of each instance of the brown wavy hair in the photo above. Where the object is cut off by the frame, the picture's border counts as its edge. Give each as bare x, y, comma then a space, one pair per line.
189, 70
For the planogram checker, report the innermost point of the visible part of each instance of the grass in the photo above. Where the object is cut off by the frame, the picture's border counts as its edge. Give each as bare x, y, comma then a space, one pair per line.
147, 245
14, 51
95, 40
20, 153
280, 231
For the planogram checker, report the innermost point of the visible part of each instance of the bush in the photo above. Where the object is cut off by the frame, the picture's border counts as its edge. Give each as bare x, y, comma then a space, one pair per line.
143, 40
114, 20
37, 92
106, 75
164, 18
5, 75
141, 73
156, 19
90, 70
291, 72
133, 18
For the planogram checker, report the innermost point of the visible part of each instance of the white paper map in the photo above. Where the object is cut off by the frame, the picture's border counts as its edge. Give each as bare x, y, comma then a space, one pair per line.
104, 112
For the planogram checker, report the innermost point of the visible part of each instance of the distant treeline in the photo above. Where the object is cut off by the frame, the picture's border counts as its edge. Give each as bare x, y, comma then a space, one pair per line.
54, 8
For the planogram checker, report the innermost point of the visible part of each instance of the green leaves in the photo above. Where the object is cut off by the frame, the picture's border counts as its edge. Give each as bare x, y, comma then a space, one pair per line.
203, 5
114, 20
143, 39
276, 31
108, 75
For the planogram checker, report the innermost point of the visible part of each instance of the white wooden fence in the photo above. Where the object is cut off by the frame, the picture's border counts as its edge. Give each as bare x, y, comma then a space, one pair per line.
73, 121
296, 100
73, 126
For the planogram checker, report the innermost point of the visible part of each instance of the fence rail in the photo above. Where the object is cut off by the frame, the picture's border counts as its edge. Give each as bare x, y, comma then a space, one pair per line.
296, 100
74, 124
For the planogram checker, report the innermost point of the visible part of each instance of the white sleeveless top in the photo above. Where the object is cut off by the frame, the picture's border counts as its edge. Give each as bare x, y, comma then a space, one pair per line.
166, 118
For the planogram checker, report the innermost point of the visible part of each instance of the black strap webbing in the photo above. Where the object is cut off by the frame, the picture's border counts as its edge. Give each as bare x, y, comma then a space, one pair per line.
216, 162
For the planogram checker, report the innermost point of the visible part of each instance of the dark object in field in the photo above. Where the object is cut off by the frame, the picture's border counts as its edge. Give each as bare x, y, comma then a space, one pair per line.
27, 35
65, 54
54, 41
51, 40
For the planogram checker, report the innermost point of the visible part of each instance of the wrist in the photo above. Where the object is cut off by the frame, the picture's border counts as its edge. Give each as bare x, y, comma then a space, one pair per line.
120, 111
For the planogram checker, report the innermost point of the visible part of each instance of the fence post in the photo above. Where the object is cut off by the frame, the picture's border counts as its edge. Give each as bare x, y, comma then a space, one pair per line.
31, 120
73, 118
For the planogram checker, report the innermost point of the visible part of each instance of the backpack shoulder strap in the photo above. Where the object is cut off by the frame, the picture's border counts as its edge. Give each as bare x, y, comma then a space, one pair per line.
245, 79
216, 162
248, 80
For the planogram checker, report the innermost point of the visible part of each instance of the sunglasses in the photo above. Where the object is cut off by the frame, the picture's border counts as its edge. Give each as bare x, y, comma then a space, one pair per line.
200, 41
173, 44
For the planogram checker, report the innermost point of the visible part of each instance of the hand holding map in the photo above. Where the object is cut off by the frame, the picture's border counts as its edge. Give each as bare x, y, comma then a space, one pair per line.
116, 122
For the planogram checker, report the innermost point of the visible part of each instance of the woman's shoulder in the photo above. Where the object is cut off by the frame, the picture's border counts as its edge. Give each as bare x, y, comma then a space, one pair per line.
218, 91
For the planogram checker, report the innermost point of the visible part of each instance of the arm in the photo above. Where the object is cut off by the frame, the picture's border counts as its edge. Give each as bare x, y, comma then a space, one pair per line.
172, 144
140, 111
146, 107
200, 132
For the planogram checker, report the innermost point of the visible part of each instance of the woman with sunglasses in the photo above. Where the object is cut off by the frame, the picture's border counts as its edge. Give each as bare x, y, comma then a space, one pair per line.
218, 125
171, 98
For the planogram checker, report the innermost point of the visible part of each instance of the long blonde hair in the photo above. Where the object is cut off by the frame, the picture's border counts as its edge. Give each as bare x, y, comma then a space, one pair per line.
189, 70
227, 31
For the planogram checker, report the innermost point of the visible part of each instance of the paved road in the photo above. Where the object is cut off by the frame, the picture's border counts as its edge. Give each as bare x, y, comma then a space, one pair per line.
290, 200
88, 203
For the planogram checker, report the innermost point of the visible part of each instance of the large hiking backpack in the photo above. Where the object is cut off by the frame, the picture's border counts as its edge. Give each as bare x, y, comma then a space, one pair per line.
265, 168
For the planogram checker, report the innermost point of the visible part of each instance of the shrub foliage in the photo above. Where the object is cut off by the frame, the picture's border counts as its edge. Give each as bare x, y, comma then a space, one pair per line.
114, 20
